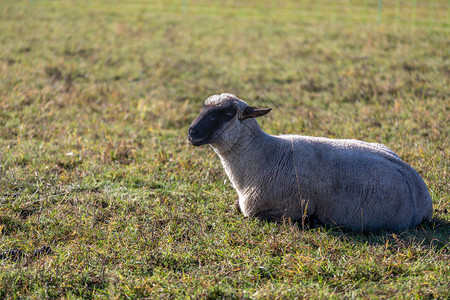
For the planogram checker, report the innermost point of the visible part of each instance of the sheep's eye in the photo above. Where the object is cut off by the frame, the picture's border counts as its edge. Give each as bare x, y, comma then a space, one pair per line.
229, 114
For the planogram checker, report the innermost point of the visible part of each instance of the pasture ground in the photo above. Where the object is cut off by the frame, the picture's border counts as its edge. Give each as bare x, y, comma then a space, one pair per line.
95, 101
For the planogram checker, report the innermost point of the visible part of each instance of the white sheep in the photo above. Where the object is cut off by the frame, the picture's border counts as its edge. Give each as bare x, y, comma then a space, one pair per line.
349, 183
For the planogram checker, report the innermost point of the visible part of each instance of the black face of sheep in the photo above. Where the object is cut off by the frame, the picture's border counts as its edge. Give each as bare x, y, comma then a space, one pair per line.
214, 118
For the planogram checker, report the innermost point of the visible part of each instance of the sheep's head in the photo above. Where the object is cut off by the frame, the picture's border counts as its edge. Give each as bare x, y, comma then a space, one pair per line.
221, 113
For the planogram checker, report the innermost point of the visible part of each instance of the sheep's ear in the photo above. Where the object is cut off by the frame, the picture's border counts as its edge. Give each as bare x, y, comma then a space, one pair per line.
252, 112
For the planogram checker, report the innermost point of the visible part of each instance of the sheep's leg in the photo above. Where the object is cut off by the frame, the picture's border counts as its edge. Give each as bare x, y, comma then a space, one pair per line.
275, 216
309, 222
269, 215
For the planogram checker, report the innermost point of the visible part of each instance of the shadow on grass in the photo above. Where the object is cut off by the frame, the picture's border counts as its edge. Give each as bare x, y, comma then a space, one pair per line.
432, 234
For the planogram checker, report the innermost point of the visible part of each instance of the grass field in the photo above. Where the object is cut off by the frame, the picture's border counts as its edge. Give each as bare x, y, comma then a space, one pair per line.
95, 103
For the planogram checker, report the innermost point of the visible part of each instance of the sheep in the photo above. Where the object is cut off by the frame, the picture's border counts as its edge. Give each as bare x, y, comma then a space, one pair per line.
347, 183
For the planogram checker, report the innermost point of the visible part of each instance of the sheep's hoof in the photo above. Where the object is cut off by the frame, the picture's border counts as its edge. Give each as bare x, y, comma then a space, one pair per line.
237, 207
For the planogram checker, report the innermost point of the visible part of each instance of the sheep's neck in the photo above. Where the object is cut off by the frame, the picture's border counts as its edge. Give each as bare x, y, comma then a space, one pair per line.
245, 157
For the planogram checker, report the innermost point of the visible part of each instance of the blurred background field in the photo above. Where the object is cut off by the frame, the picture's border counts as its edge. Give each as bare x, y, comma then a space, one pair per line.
432, 15
95, 101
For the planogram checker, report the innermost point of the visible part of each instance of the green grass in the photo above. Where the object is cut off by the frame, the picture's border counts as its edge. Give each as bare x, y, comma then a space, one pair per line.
95, 103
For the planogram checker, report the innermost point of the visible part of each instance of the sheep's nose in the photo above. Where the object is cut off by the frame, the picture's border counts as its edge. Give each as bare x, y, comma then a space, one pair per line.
192, 130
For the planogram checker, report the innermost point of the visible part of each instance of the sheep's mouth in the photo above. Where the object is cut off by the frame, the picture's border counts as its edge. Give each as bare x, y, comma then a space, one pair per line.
197, 142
